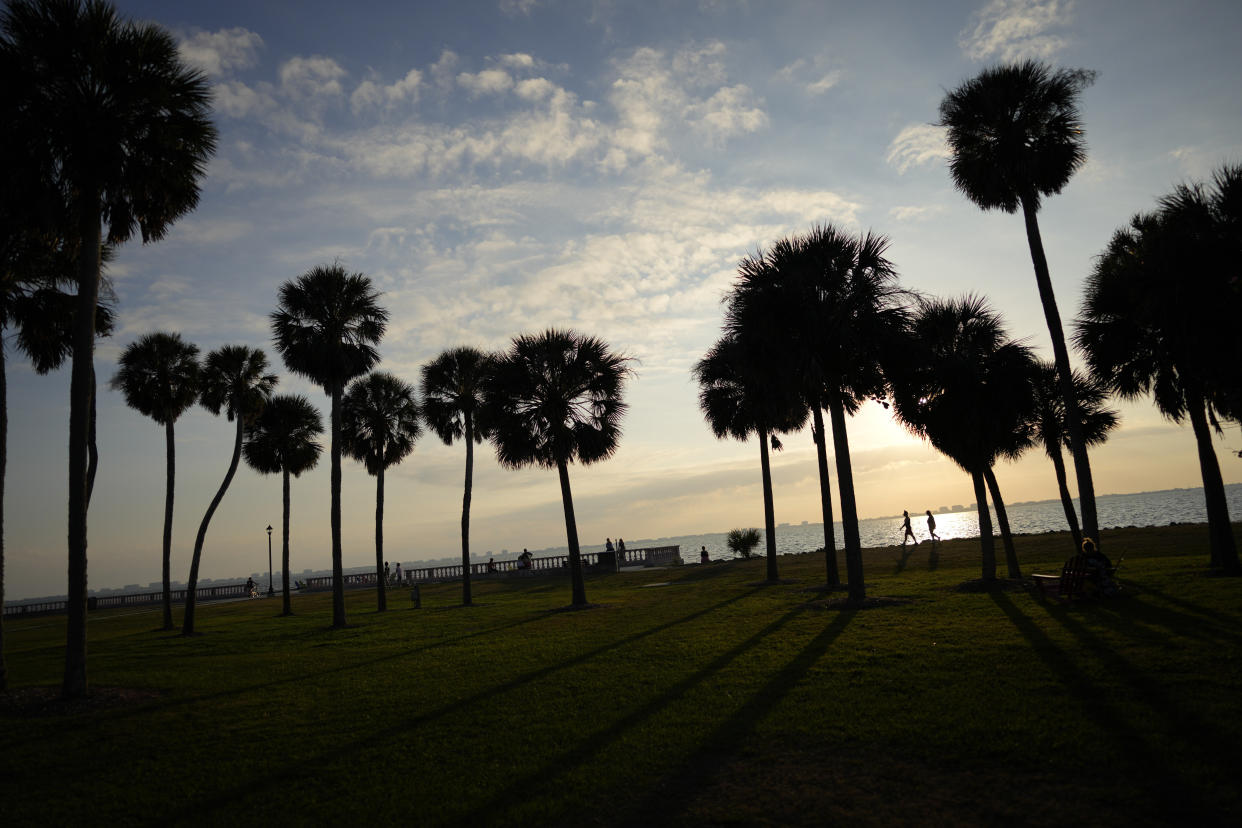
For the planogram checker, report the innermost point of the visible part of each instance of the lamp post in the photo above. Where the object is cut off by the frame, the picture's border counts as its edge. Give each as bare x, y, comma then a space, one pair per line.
270, 592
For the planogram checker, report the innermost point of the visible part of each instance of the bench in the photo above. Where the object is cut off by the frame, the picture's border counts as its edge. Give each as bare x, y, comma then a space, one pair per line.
1068, 584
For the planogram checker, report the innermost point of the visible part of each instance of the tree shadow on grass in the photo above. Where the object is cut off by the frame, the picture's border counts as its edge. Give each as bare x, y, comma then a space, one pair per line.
671, 797
550, 775
222, 801
1130, 746
1221, 620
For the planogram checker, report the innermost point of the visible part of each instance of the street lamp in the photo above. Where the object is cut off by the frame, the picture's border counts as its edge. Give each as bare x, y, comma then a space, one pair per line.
270, 592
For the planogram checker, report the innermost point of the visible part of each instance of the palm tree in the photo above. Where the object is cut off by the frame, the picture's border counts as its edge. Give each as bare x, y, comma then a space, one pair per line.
742, 392
553, 398
327, 328
452, 402
1160, 316
115, 129
158, 375
284, 440
1048, 421
964, 387
1015, 136
232, 380
827, 303
380, 422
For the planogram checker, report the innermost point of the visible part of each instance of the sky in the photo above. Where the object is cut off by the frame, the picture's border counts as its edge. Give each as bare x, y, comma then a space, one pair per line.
500, 167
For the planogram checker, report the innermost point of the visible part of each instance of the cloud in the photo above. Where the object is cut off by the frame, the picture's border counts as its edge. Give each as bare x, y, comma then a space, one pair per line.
912, 213
311, 77
487, 82
1016, 29
825, 83
916, 145
513, 8
219, 52
372, 95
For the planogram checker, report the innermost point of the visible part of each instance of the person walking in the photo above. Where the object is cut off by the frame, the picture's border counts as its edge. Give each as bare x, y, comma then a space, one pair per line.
905, 524
931, 526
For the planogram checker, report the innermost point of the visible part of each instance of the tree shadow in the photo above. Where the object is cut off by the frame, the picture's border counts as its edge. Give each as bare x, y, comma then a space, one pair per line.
227, 799
1141, 756
667, 800
548, 776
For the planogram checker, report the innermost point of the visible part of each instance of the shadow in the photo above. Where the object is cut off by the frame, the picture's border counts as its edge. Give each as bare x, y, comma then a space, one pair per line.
1188, 607
663, 804
907, 552
532, 784
1140, 757
223, 800
933, 556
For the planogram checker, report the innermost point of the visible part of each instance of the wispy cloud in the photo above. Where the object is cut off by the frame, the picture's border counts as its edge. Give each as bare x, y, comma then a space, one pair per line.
1016, 29
916, 145
219, 53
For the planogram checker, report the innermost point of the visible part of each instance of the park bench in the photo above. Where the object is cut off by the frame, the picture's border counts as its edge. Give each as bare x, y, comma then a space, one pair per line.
1068, 584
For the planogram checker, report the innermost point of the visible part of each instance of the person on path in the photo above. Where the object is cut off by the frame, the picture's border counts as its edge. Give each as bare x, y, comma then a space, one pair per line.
909, 535
608, 547
250, 591
703, 555
620, 551
397, 573
387, 574
931, 526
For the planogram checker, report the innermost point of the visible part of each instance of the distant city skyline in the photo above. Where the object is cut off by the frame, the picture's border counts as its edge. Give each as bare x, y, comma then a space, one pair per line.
502, 167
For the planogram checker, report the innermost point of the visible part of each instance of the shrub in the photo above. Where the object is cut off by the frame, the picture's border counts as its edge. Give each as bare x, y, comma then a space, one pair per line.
742, 541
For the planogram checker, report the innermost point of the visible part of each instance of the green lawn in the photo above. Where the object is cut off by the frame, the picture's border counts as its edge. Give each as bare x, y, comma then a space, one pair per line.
691, 695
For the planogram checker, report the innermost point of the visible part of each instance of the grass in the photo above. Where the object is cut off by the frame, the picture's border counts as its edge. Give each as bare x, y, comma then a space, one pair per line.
710, 698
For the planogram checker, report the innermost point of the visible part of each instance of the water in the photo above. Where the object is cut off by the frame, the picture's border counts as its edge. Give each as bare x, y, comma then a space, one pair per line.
1120, 510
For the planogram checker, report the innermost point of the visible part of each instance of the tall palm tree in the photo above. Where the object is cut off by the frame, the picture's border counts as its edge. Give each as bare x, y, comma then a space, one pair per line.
1015, 137
327, 327
115, 128
380, 422
826, 302
158, 374
284, 440
553, 398
232, 380
1048, 421
965, 387
743, 392
452, 402
1160, 316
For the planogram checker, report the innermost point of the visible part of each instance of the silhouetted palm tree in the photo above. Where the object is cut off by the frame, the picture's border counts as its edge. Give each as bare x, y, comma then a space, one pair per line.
452, 402
827, 303
380, 422
115, 125
743, 392
553, 398
327, 328
964, 387
284, 440
1016, 136
1049, 426
232, 380
158, 374
1160, 316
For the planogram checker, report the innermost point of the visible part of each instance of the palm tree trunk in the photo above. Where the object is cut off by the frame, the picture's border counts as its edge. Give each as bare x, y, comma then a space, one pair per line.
4, 459
849, 505
338, 571
1073, 419
74, 684
769, 514
825, 497
170, 463
465, 512
1224, 552
1067, 503
986, 542
571, 533
287, 608
191, 587
381, 584
92, 447
1002, 517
